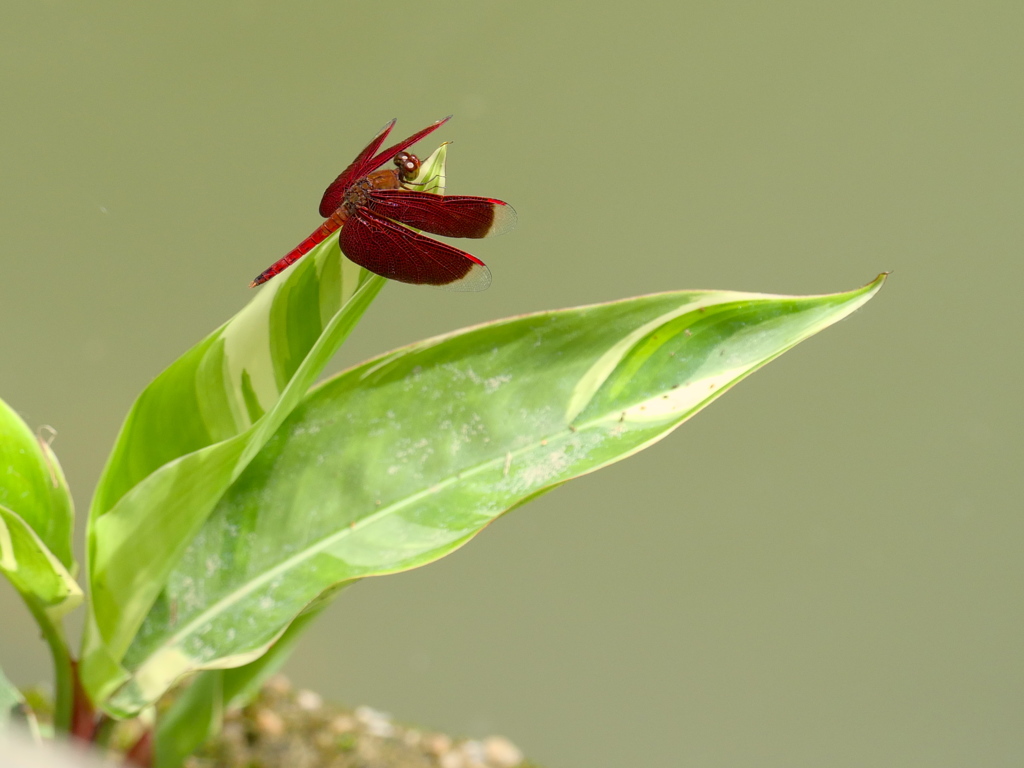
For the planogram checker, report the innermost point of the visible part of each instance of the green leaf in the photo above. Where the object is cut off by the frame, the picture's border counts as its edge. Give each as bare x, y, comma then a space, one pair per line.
33, 488
11, 700
36, 520
33, 570
402, 459
13, 709
197, 714
194, 430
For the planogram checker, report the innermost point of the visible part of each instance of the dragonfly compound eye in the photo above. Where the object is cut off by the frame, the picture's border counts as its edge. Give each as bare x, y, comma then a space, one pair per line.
409, 166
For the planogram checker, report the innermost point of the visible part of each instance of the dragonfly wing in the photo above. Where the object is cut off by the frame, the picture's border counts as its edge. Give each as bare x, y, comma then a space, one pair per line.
396, 252
390, 152
447, 215
356, 170
367, 162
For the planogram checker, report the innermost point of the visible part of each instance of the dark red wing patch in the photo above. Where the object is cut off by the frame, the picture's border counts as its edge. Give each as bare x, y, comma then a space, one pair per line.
396, 252
447, 215
336, 191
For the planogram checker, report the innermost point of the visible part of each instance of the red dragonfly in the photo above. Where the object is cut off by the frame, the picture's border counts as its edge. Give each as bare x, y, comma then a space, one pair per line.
374, 209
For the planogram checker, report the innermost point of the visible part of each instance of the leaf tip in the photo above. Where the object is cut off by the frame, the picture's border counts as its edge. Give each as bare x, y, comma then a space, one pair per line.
869, 290
879, 281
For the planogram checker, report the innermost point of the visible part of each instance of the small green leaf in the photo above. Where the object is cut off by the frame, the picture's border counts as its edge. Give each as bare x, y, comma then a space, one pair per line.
402, 459
33, 569
32, 485
13, 709
196, 427
36, 519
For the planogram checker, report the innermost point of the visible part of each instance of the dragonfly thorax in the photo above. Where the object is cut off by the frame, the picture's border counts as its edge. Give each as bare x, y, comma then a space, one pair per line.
359, 193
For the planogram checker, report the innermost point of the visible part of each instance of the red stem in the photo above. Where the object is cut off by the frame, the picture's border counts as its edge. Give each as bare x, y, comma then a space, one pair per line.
83, 714
141, 753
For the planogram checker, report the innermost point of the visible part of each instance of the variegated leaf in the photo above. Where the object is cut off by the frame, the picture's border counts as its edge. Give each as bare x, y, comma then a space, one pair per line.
196, 427
399, 461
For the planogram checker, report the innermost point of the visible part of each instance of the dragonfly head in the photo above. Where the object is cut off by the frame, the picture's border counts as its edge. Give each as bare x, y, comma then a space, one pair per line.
408, 165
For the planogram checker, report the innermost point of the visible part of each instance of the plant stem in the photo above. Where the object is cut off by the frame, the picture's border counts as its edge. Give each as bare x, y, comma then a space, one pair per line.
83, 714
64, 675
141, 753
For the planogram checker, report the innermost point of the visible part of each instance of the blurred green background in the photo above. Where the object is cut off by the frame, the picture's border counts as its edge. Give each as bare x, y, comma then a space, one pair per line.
822, 569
